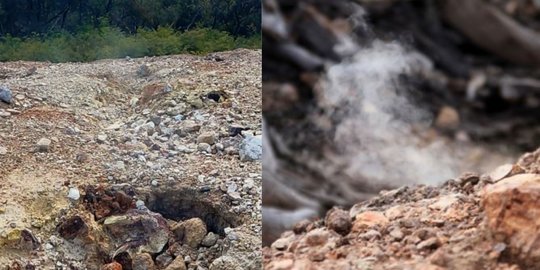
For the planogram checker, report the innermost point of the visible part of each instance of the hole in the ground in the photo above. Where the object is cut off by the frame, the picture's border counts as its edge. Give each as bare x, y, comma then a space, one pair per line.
214, 96
183, 203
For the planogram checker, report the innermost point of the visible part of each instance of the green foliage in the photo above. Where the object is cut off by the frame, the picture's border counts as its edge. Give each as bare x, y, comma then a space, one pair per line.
206, 40
89, 44
236, 17
253, 42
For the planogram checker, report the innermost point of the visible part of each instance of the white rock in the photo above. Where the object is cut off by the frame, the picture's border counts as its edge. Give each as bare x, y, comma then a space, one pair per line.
251, 148
219, 146
140, 205
248, 184
74, 194
204, 147
101, 138
232, 187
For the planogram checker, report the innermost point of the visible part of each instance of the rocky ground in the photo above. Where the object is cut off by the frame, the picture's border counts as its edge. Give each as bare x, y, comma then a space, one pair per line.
148, 163
487, 221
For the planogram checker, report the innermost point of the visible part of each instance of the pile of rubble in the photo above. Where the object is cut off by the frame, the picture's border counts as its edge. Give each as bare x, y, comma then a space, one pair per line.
112, 226
180, 136
475, 221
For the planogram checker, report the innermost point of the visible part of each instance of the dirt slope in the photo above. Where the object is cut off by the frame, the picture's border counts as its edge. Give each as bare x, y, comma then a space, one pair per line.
151, 124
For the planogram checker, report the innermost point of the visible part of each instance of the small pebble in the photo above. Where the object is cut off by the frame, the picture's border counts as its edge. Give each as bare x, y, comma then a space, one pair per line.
74, 194
43, 145
140, 205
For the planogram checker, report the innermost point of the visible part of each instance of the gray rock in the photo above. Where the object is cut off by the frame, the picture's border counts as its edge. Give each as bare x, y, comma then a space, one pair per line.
197, 115
119, 165
155, 119
251, 148
140, 205
249, 183
101, 138
149, 128
232, 187
178, 117
225, 263
143, 262
219, 147
232, 191
43, 145
163, 260
137, 123
204, 147
210, 239
228, 230
5, 94
144, 71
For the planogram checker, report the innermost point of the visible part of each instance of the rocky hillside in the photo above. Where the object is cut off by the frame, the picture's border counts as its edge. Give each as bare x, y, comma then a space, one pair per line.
475, 221
130, 163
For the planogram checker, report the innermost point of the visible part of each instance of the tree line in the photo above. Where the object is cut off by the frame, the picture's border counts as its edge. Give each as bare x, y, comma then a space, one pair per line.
86, 30
26, 17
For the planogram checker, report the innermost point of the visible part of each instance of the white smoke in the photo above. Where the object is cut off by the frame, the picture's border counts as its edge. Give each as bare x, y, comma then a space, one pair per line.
376, 133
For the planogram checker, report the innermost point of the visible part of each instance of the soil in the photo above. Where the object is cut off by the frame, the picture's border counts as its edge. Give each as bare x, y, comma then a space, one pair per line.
105, 129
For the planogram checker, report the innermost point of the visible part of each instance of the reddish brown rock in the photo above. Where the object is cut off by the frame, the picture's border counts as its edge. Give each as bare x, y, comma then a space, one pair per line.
368, 219
317, 237
339, 221
301, 226
513, 216
154, 91
112, 266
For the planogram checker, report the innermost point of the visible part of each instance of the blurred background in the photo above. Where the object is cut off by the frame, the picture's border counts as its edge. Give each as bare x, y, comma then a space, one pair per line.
360, 96
66, 30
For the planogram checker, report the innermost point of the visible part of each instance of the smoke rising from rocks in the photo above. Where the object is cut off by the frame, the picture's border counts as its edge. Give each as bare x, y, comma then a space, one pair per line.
376, 134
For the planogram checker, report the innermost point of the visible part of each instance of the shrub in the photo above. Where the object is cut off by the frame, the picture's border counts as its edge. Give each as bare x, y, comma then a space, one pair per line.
88, 44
